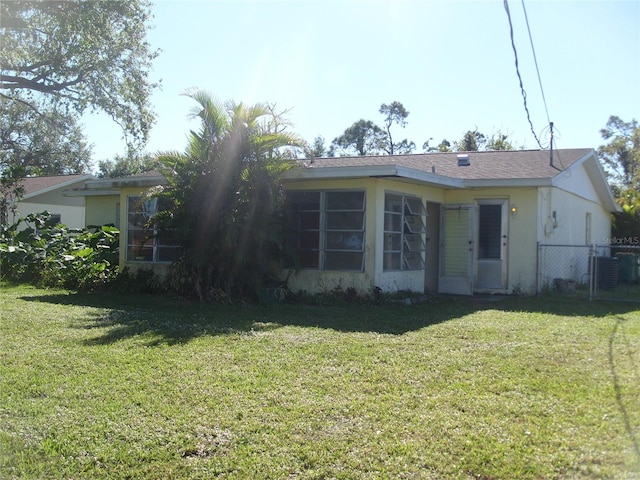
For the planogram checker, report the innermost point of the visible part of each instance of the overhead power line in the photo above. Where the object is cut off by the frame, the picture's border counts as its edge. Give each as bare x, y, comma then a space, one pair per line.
535, 60
524, 93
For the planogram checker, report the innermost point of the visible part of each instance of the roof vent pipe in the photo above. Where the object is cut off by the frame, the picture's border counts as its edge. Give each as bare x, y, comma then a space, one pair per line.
463, 160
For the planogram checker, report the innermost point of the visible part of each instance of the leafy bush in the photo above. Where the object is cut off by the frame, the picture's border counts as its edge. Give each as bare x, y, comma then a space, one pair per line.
141, 280
626, 224
38, 250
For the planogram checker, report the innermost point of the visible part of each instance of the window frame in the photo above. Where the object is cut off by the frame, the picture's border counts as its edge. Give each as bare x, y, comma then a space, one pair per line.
339, 233
404, 232
157, 248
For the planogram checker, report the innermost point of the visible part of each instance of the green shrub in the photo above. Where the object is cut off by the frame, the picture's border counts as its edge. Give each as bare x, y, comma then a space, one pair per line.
40, 251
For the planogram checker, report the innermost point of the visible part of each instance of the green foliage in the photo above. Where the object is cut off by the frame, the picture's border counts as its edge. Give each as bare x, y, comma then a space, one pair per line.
317, 149
11, 188
626, 224
45, 142
395, 113
621, 155
471, 141
122, 166
621, 159
362, 138
140, 280
76, 55
37, 250
498, 141
58, 60
443, 147
224, 199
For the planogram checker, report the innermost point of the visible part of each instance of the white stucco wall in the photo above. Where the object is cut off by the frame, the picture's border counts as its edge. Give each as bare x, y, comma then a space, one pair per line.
70, 209
565, 223
71, 215
577, 181
568, 225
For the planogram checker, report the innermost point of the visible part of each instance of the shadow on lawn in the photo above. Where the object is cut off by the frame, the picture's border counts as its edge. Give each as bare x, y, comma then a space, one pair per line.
620, 339
167, 320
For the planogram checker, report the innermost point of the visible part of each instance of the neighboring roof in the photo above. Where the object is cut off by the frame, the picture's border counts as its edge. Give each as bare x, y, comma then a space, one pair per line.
39, 185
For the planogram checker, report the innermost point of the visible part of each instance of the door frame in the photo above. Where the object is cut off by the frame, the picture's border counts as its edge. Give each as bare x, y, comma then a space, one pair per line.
462, 282
491, 274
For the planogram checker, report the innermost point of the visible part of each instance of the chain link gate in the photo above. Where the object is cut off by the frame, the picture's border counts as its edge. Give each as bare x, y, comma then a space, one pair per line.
563, 269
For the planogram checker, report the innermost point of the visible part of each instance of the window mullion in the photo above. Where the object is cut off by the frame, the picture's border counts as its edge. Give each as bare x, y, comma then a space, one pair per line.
323, 230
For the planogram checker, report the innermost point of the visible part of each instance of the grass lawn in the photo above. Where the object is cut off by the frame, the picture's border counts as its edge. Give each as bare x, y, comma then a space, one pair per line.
114, 386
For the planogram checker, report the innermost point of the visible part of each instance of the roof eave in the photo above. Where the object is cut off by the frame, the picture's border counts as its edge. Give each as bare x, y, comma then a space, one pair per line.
128, 182
599, 180
371, 171
112, 186
91, 193
507, 182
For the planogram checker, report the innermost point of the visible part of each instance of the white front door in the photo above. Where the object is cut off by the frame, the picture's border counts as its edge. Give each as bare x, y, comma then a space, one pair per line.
456, 249
491, 266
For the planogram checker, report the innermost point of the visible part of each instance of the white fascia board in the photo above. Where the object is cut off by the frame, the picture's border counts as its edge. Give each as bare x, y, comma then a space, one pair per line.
91, 193
507, 182
372, 171
126, 182
311, 173
68, 183
429, 178
599, 180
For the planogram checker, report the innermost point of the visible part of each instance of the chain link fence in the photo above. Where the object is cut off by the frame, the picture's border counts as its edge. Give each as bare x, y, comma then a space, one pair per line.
616, 272
596, 272
564, 269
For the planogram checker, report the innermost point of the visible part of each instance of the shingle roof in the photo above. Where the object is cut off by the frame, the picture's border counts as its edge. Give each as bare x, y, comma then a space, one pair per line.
516, 164
32, 185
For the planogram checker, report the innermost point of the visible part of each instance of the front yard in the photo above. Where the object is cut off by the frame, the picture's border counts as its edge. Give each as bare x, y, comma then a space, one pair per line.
114, 386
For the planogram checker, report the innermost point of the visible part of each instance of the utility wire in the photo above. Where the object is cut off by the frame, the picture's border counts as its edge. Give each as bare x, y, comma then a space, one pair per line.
524, 93
535, 60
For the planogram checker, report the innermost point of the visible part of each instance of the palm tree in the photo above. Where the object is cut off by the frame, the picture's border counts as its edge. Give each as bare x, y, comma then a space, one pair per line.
224, 197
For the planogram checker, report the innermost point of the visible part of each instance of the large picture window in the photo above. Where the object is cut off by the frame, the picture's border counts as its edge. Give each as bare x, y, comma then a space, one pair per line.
404, 232
143, 242
328, 229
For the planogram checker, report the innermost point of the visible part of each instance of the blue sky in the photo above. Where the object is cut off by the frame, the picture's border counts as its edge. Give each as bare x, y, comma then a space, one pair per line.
451, 64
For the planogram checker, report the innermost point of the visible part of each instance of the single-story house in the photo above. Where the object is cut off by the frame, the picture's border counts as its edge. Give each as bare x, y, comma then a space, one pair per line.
48, 193
457, 223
